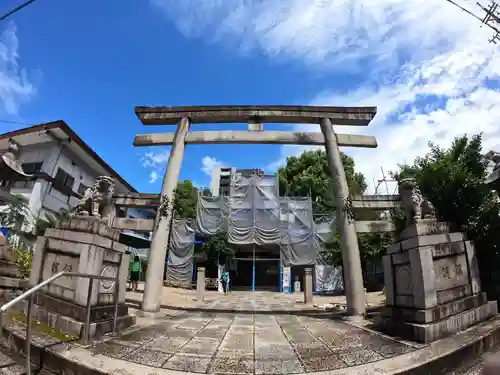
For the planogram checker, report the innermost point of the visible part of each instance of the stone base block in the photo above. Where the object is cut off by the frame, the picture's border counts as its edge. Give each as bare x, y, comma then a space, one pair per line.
77, 312
12, 283
424, 227
9, 269
74, 327
428, 332
8, 286
90, 224
435, 313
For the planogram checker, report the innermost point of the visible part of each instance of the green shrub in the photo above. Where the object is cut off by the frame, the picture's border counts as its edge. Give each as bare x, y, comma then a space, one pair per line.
22, 259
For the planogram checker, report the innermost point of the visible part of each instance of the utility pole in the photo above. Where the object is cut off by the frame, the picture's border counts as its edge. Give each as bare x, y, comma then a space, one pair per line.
384, 180
490, 19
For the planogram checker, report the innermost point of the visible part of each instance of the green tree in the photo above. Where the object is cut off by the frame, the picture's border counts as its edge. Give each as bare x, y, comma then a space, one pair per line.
50, 221
309, 174
15, 214
216, 249
371, 249
453, 180
186, 198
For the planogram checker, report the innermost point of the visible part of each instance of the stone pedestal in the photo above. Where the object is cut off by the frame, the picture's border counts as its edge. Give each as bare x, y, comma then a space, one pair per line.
200, 284
432, 284
84, 245
308, 285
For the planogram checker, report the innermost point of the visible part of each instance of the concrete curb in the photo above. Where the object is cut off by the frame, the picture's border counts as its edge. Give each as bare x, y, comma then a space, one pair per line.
446, 354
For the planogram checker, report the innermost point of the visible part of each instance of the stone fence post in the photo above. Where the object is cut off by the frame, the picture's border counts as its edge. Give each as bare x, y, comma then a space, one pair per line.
200, 283
308, 285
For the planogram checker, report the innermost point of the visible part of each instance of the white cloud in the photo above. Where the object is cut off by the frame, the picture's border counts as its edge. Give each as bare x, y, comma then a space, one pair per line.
153, 177
15, 87
425, 64
156, 161
208, 163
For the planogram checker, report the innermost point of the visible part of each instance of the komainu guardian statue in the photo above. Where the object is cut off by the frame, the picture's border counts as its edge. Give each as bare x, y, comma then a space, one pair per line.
495, 158
97, 200
414, 205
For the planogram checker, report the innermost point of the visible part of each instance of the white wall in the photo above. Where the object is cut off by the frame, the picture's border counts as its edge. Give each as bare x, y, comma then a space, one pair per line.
32, 155
35, 154
45, 198
214, 183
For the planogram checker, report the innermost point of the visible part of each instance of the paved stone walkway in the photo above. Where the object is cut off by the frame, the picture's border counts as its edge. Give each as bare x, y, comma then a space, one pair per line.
250, 344
248, 301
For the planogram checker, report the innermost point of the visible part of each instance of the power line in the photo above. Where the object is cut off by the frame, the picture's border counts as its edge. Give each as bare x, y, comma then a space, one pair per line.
16, 9
17, 122
465, 10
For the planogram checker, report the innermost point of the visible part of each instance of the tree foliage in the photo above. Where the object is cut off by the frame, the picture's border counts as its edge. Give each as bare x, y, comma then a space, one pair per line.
309, 175
23, 260
15, 214
216, 249
186, 198
51, 221
371, 248
453, 180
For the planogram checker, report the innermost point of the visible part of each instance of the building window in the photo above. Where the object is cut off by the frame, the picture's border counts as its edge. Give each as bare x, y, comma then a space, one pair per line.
23, 184
32, 168
64, 179
82, 189
28, 168
7, 185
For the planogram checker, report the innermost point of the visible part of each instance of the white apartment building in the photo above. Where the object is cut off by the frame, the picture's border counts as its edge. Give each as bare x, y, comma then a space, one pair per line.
64, 166
221, 179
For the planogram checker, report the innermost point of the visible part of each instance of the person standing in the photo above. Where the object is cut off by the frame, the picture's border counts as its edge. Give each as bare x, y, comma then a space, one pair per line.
135, 273
224, 280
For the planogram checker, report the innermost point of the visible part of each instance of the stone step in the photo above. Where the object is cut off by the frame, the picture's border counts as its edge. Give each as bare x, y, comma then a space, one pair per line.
475, 366
9, 366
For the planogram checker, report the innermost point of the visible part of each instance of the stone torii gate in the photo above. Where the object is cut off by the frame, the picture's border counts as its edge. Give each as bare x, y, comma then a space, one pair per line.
256, 116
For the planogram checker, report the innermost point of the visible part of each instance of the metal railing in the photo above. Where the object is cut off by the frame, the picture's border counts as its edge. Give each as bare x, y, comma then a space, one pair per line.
30, 295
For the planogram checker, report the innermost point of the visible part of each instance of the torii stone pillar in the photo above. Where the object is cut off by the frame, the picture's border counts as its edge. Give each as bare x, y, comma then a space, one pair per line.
158, 251
353, 277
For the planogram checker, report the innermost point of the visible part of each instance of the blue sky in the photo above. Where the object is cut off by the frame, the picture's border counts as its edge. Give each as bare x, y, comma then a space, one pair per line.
89, 63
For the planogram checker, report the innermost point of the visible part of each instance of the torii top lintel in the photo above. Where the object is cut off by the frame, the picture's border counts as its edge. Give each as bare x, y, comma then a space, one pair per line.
169, 115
